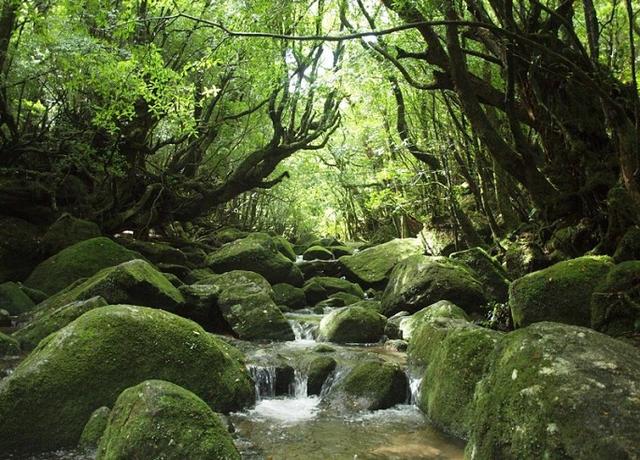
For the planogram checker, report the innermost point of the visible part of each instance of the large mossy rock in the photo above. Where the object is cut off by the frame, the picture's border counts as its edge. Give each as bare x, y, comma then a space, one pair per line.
440, 309
19, 248
8, 346
246, 303
258, 253
560, 293
94, 429
320, 288
14, 300
284, 247
371, 385
290, 296
427, 338
158, 252
457, 364
67, 231
81, 260
317, 253
135, 282
52, 320
352, 324
558, 391
158, 419
488, 271
371, 267
615, 300
319, 369
419, 281
46, 401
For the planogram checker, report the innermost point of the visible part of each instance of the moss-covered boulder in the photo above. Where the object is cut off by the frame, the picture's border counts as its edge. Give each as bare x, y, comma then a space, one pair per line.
284, 247
8, 345
258, 253
371, 385
158, 419
19, 250
14, 300
246, 303
419, 281
51, 320
628, 246
319, 369
427, 338
352, 325
311, 268
372, 267
488, 271
291, 296
135, 282
228, 234
560, 293
201, 305
81, 260
455, 367
523, 255
317, 253
345, 298
88, 363
320, 288
67, 231
557, 391
35, 295
341, 250
94, 429
615, 300
157, 252
440, 309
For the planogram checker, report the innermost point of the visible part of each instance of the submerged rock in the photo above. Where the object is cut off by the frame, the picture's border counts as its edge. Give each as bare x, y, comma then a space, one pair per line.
560, 293
419, 281
258, 253
14, 300
372, 267
81, 260
352, 324
557, 391
158, 419
94, 429
46, 402
319, 369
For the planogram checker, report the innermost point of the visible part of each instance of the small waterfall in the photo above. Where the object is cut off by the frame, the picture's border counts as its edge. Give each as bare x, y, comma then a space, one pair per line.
302, 330
265, 381
298, 388
414, 389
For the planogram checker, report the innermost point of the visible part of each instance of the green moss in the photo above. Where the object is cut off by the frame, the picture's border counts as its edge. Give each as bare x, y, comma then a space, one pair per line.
67, 231
486, 270
94, 429
419, 281
8, 345
317, 253
352, 325
557, 391
158, 419
246, 303
229, 234
449, 382
135, 282
560, 293
441, 309
318, 370
614, 303
88, 363
371, 267
284, 247
81, 260
49, 321
428, 337
374, 385
320, 288
157, 252
291, 296
14, 300
256, 253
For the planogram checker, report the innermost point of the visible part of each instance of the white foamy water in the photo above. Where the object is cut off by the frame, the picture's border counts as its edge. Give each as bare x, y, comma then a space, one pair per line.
287, 411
